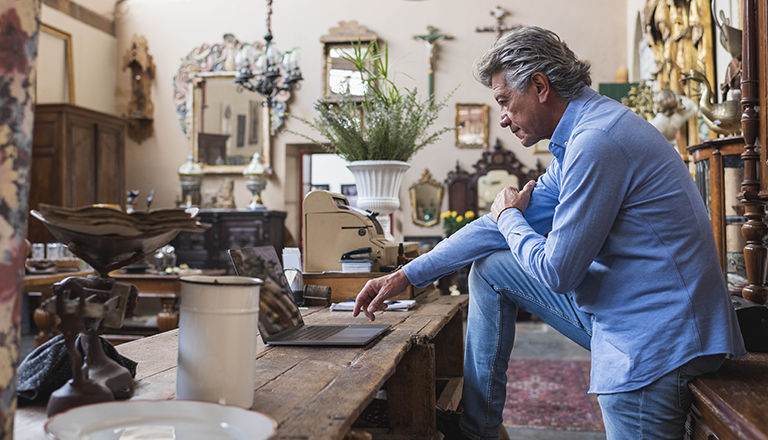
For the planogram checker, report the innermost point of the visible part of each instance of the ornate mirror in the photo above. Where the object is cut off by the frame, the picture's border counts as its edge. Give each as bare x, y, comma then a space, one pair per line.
490, 184
226, 123
426, 200
338, 73
229, 126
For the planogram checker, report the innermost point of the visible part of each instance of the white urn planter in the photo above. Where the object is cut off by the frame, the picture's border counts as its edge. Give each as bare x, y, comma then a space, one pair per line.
378, 187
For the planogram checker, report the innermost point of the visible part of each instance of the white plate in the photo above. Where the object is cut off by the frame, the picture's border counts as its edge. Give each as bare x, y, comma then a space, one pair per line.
160, 420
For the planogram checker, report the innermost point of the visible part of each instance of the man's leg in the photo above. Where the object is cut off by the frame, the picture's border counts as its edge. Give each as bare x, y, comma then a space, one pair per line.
498, 287
658, 410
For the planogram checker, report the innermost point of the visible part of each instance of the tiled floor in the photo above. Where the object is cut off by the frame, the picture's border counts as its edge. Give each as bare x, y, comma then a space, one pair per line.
540, 341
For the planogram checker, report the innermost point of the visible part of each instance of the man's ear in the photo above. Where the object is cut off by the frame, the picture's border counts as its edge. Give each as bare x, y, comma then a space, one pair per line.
540, 82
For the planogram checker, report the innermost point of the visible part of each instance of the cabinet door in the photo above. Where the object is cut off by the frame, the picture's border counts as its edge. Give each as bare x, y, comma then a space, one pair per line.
81, 161
45, 177
109, 165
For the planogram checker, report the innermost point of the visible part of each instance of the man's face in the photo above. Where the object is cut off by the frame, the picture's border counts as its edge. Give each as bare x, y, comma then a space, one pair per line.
524, 113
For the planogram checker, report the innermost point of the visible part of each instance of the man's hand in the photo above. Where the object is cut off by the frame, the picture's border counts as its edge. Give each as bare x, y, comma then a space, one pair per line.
511, 197
376, 291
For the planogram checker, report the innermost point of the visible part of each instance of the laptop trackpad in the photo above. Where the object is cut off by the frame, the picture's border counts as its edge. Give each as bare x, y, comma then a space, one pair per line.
356, 333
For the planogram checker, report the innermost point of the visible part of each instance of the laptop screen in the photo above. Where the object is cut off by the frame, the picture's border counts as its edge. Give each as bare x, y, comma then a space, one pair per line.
277, 309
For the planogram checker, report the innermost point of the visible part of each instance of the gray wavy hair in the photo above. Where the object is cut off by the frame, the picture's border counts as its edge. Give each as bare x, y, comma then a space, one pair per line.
531, 49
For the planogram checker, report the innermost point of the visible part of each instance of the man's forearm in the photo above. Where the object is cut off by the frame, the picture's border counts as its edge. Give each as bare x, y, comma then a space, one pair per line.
476, 240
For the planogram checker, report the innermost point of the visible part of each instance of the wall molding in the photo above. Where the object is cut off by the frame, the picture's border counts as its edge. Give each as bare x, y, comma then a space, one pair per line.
83, 14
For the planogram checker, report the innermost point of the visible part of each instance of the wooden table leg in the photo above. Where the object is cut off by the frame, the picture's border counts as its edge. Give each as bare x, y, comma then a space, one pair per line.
168, 318
411, 393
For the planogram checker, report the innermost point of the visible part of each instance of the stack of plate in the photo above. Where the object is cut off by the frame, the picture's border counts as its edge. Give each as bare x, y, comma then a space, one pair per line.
101, 221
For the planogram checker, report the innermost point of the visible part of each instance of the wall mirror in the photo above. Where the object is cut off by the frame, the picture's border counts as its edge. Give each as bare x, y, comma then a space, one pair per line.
426, 200
496, 170
229, 126
225, 123
490, 184
338, 73
472, 120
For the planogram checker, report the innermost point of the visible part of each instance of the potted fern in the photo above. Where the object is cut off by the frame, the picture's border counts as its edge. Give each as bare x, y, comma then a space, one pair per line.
379, 134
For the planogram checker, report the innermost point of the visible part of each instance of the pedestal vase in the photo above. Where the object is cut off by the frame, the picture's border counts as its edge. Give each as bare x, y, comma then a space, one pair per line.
378, 187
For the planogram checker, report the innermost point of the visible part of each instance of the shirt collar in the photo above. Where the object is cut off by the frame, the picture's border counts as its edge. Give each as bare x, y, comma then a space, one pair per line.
562, 134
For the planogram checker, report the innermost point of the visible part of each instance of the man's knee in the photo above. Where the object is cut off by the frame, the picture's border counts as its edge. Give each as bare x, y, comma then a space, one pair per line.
495, 264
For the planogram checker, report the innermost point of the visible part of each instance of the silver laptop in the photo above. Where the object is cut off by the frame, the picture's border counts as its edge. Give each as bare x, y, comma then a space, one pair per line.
280, 320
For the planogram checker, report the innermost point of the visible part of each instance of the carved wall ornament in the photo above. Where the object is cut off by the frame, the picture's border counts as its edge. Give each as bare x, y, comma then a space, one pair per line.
140, 107
348, 31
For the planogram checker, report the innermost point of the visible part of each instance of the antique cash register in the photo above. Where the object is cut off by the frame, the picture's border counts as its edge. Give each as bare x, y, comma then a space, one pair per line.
332, 228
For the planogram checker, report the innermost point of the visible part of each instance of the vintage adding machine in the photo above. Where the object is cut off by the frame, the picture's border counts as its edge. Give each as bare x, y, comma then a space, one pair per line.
332, 228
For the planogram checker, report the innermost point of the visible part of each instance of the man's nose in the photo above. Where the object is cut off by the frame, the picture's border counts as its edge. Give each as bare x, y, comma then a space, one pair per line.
504, 120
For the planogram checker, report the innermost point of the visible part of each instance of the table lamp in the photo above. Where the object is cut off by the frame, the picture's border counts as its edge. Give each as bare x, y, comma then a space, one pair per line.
191, 177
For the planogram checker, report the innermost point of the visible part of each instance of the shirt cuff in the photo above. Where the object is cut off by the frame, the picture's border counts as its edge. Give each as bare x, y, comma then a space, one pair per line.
511, 219
420, 271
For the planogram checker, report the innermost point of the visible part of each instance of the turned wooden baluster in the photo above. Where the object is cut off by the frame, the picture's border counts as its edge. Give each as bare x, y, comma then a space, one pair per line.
754, 229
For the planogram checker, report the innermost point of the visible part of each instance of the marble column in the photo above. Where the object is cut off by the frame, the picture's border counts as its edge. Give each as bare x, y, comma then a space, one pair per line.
19, 27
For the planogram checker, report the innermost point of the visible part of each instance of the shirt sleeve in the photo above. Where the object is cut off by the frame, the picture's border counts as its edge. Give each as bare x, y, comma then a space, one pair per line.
544, 199
595, 178
475, 240
481, 238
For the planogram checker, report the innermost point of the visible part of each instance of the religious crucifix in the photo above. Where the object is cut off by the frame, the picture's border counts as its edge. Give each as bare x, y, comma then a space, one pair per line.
500, 29
430, 41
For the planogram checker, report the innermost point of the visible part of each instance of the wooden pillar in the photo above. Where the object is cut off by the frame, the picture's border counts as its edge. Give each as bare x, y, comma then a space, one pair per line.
20, 21
717, 202
755, 229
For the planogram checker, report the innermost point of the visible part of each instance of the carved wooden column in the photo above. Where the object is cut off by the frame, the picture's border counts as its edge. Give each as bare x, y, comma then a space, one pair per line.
755, 229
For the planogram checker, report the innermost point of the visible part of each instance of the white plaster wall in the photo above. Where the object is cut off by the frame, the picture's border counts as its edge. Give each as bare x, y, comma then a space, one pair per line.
594, 29
94, 60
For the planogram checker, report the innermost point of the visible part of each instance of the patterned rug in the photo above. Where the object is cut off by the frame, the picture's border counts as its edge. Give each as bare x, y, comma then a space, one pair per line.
551, 394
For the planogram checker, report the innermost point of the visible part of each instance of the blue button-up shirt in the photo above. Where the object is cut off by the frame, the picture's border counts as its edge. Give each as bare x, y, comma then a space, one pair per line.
629, 240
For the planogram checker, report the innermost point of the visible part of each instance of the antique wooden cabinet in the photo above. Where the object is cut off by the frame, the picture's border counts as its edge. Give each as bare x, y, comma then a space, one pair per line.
230, 229
78, 158
731, 403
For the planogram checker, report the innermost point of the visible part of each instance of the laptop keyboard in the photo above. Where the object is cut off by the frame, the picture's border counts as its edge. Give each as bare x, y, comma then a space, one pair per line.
317, 333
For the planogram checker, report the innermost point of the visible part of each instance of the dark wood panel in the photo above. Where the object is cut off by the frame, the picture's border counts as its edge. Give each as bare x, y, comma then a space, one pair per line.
45, 184
81, 164
109, 161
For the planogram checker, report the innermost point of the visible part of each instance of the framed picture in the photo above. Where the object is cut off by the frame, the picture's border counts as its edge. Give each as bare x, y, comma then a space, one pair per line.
56, 75
350, 192
254, 108
240, 130
472, 123
321, 186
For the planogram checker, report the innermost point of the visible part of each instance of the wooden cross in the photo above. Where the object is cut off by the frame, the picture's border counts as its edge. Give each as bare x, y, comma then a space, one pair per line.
500, 29
430, 41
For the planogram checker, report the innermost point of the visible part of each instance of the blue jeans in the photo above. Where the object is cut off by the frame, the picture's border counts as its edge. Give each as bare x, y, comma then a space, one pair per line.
498, 287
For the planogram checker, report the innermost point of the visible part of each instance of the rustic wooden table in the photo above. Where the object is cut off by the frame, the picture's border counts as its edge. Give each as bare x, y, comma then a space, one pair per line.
319, 392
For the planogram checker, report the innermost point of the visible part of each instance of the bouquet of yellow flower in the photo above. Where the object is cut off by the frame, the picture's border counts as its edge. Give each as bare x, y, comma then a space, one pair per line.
452, 221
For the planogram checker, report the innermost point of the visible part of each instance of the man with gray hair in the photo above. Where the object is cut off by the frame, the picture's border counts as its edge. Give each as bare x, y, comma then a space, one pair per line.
612, 247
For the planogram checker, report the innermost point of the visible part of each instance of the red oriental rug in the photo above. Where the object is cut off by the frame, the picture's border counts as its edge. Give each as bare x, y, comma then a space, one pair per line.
551, 394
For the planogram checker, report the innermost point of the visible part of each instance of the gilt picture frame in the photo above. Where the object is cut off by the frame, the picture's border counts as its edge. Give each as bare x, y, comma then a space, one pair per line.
472, 123
56, 47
